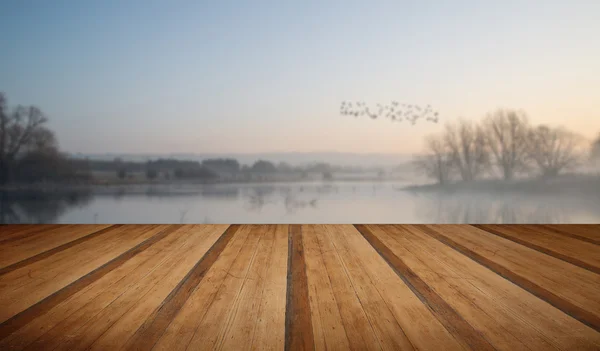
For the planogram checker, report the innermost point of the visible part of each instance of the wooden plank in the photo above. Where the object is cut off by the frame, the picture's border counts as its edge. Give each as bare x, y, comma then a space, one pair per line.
452, 321
242, 322
77, 309
26, 286
149, 292
214, 326
387, 333
517, 314
18, 320
36, 241
240, 301
583, 254
185, 273
269, 333
421, 327
504, 329
68, 332
348, 243
585, 232
359, 329
181, 330
22, 257
10, 232
155, 325
298, 323
569, 288
328, 326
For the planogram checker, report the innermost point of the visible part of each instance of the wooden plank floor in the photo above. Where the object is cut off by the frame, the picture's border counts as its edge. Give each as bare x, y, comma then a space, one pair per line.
300, 287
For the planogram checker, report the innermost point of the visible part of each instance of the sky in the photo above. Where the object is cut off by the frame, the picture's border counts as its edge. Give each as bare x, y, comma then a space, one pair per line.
243, 77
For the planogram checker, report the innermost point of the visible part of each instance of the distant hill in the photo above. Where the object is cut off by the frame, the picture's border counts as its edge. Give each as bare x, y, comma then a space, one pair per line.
293, 158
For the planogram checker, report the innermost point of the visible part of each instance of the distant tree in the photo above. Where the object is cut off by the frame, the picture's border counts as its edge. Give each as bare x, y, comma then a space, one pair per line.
202, 173
595, 152
22, 130
596, 149
178, 173
227, 165
437, 162
284, 167
47, 165
151, 173
507, 132
121, 173
467, 144
172, 164
320, 167
262, 166
327, 175
553, 150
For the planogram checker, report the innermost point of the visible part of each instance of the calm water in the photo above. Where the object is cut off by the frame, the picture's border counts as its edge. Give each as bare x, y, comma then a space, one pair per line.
345, 202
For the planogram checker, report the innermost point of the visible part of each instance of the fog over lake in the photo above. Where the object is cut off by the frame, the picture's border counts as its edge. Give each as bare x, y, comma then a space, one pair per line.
300, 202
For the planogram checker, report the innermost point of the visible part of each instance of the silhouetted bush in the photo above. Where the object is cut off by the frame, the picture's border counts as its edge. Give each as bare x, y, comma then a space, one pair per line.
151, 173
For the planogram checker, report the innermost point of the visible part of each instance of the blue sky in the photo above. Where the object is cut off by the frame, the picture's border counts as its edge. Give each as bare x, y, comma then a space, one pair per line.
191, 76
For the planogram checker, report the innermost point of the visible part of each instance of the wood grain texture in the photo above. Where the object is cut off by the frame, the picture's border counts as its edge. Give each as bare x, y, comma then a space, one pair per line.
352, 251
215, 324
155, 325
518, 315
37, 253
298, 322
583, 254
117, 322
554, 283
42, 306
299, 287
269, 331
452, 320
10, 233
585, 232
183, 327
83, 305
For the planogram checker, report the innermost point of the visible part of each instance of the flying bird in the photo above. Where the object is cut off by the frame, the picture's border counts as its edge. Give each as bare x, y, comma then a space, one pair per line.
394, 111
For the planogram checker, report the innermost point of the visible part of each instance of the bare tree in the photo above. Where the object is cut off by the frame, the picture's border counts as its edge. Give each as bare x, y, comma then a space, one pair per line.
553, 150
21, 130
507, 132
437, 162
467, 144
595, 154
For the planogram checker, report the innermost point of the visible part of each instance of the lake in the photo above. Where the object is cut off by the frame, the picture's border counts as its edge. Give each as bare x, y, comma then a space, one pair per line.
314, 202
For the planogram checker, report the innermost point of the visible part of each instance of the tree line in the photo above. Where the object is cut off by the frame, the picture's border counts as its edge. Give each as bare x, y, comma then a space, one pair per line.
211, 168
29, 153
28, 149
503, 144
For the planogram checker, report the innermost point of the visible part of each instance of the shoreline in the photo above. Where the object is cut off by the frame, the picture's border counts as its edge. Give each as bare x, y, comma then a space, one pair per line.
579, 184
569, 184
96, 185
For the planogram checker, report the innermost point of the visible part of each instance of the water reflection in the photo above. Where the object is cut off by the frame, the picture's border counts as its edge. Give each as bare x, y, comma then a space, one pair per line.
259, 197
39, 207
479, 209
285, 202
293, 204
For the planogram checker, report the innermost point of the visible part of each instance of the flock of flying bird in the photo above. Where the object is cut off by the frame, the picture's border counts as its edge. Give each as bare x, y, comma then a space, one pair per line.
395, 111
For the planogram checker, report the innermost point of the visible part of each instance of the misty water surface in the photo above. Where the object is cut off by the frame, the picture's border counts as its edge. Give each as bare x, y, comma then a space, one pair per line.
319, 202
